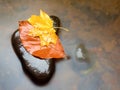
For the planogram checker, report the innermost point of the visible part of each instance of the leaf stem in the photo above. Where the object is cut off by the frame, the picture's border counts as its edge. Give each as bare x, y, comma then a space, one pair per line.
62, 28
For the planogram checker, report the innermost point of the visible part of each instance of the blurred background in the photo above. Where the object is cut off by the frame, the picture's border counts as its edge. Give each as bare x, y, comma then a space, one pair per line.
94, 24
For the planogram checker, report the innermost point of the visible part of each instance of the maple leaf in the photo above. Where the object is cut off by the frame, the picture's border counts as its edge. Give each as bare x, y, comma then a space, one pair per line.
43, 28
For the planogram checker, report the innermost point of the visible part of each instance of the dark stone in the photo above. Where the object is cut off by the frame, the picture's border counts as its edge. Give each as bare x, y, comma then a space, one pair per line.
56, 23
39, 70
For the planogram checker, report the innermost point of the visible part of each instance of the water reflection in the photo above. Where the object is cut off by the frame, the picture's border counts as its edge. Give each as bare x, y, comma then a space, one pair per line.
82, 62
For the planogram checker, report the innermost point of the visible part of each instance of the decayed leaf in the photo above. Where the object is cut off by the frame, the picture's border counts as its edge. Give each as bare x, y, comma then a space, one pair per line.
32, 44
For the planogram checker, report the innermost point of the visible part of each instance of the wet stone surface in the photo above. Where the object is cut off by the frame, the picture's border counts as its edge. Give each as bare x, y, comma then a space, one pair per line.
39, 70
